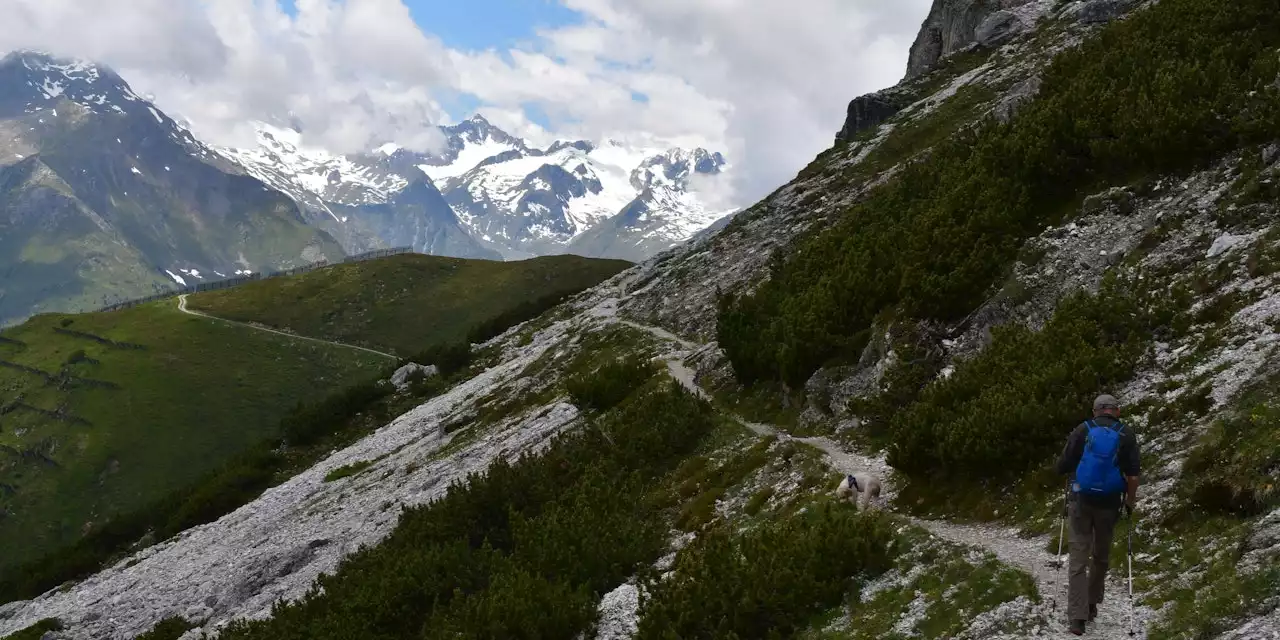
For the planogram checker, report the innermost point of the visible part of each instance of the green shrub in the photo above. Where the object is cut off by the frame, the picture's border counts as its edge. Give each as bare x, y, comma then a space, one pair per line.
604, 388
448, 358
308, 423
348, 470
236, 484
522, 312
37, 630
516, 604
168, 629
1146, 96
769, 582
1009, 409
523, 550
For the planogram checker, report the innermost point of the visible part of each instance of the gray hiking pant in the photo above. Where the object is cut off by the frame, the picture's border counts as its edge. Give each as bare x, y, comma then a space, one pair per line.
1091, 531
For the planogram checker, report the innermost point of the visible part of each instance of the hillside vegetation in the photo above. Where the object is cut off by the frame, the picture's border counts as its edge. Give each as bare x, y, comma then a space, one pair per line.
153, 421
405, 303
102, 413
1149, 96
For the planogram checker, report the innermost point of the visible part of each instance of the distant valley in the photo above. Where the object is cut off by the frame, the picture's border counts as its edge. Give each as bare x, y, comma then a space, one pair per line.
104, 197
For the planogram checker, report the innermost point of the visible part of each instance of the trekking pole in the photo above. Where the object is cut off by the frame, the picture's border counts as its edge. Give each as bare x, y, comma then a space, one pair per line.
1132, 631
1057, 562
1133, 522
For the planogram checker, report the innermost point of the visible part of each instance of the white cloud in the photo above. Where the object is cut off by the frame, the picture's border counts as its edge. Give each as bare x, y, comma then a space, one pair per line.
765, 81
352, 74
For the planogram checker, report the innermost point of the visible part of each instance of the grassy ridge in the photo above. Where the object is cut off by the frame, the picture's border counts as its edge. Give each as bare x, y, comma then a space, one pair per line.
90, 430
403, 303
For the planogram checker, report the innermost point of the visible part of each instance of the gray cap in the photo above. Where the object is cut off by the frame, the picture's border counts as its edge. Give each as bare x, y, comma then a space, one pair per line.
1105, 401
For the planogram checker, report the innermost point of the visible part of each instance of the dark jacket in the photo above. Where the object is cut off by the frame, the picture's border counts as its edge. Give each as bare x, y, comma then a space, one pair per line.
1128, 460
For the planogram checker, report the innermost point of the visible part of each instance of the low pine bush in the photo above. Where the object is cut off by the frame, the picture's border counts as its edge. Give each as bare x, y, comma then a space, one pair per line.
523, 550
769, 582
1166, 91
1009, 409
604, 388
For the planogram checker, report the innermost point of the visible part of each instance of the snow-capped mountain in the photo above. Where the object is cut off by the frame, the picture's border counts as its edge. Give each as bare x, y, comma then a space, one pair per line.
508, 196
104, 197
366, 201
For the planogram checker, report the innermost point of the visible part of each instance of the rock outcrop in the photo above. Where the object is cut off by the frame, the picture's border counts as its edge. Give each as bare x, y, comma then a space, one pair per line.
403, 375
868, 112
953, 25
1099, 11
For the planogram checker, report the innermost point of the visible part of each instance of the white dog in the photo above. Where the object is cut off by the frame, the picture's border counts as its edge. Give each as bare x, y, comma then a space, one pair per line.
862, 486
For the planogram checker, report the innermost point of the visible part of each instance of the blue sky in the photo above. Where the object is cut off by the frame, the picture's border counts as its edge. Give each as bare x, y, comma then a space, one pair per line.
476, 25
479, 25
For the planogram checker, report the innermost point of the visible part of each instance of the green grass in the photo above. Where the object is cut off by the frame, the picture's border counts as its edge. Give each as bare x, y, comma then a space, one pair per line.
200, 393
406, 303
346, 471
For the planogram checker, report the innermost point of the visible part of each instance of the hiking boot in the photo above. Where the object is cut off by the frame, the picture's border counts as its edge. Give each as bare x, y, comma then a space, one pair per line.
1076, 628
1093, 612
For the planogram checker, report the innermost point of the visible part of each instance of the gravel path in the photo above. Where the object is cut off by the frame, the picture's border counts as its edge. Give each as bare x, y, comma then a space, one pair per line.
182, 306
1029, 555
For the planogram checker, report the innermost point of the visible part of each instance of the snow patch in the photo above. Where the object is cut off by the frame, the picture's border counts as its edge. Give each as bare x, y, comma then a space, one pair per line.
176, 278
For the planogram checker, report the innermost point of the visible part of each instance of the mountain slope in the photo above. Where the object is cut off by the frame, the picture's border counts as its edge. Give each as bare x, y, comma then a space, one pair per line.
102, 194
948, 288
80, 453
152, 384
404, 302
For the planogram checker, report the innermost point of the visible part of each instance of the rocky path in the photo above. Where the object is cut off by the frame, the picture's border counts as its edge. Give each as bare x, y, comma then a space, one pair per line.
1114, 619
182, 306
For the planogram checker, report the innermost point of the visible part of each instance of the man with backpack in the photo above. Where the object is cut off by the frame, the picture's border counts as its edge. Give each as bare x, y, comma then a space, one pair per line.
1102, 457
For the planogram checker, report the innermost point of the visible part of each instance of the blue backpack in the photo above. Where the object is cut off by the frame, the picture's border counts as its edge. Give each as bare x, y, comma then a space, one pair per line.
1099, 472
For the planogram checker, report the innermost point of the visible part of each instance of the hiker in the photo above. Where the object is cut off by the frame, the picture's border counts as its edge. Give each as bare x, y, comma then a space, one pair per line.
855, 485
1102, 457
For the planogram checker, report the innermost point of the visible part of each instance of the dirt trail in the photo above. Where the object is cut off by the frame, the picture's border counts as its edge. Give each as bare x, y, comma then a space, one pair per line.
1029, 555
182, 306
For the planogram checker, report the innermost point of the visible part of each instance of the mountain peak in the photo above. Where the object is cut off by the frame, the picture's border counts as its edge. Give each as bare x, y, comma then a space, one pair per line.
32, 80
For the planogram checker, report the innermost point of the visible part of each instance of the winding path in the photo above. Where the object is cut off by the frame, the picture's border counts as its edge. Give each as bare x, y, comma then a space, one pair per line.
182, 306
1027, 554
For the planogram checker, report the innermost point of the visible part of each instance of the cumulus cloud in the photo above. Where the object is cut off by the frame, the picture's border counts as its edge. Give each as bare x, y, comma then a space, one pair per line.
764, 81
350, 74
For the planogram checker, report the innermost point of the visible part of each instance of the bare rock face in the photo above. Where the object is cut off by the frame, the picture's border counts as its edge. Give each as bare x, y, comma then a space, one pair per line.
867, 112
953, 25
1099, 11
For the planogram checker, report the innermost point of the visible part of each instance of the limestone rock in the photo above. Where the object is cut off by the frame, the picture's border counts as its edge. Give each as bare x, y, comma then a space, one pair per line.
401, 377
1271, 154
867, 112
953, 25
1223, 244
1020, 94
997, 28
1100, 11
